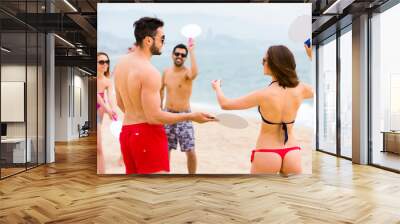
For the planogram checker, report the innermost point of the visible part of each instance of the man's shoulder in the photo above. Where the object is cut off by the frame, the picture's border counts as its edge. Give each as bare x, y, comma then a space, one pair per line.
121, 64
166, 71
149, 68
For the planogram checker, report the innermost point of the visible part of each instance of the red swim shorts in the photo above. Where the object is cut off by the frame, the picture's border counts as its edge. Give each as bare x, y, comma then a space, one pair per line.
144, 148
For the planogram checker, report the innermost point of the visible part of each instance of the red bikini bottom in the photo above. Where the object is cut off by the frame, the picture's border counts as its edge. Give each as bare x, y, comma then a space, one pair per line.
281, 152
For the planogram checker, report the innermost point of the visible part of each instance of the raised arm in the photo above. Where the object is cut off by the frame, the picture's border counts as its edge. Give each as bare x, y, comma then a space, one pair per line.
245, 102
151, 101
193, 69
308, 91
308, 51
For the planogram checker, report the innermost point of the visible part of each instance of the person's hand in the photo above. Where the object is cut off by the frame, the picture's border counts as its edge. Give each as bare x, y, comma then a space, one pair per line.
216, 84
191, 44
110, 113
200, 117
114, 116
308, 51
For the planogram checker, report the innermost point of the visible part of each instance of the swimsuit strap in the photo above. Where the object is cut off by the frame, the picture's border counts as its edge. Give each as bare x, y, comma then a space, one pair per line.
284, 125
101, 94
272, 82
269, 122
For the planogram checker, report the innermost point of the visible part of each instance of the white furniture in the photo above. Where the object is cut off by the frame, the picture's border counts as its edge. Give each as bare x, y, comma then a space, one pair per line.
18, 149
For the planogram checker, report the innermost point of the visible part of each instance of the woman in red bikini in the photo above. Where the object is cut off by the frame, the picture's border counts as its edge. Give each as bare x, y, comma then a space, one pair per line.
277, 150
105, 103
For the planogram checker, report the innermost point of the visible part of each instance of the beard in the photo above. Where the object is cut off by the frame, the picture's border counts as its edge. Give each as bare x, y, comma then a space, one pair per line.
154, 50
178, 64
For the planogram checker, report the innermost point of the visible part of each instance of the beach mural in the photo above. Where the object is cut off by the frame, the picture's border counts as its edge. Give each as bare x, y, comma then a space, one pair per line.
230, 41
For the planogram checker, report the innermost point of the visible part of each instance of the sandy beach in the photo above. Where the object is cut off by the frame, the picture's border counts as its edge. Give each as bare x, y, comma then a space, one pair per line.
220, 150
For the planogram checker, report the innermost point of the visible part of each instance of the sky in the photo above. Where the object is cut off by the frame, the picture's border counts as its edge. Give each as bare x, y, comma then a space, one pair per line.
234, 40
256, 21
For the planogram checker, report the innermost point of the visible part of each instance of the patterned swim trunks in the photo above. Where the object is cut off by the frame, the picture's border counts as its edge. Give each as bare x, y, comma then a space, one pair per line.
182, 132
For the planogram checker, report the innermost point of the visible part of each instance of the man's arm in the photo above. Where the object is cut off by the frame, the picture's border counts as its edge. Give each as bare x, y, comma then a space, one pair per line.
151, 101
162, 88
120, 103
192, 74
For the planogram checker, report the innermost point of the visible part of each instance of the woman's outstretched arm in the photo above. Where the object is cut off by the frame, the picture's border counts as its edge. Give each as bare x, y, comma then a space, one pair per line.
245, 102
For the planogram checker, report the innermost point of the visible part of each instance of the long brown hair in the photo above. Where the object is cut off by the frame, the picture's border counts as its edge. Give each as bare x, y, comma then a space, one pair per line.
283, 66
107, 73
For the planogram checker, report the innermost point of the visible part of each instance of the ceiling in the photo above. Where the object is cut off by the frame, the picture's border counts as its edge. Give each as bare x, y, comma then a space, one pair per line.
76, 21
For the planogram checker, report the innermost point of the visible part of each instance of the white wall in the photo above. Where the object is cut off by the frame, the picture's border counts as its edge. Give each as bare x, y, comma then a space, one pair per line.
33, 127
13, 73
61, 103
70, 82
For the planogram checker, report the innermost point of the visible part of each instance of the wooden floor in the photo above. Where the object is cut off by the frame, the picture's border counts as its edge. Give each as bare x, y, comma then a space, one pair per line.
69, 191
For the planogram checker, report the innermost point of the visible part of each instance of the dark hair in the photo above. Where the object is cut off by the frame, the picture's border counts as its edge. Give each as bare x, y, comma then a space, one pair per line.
180, 46
107, 73
283, 66
146, 26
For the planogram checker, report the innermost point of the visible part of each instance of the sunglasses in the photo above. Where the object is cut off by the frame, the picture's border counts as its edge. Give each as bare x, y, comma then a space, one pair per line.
180, 54
102, 62
264, 60
162, 39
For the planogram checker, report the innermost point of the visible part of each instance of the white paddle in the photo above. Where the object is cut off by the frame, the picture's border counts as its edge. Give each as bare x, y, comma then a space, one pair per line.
232, 121
115, 128
191, 31
300, 29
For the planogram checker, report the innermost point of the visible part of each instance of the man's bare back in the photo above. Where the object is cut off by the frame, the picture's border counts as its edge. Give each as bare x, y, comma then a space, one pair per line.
128, 78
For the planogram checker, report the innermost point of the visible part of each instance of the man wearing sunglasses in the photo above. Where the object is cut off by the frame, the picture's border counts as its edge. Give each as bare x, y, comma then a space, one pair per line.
143, 141
177, 80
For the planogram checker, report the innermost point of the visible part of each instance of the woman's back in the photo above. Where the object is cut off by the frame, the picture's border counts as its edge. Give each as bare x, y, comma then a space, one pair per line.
280, 106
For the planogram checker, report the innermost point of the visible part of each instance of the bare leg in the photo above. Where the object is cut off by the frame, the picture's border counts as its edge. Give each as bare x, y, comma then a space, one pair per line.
266, 163
100, 155
191, 161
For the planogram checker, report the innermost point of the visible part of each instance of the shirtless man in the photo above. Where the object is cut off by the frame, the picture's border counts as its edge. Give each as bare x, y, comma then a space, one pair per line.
177, 80
143, 140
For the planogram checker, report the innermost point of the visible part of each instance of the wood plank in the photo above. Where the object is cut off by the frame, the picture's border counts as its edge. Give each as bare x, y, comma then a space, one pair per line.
70, 191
